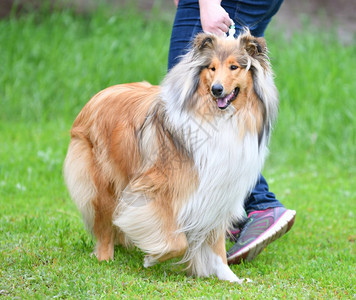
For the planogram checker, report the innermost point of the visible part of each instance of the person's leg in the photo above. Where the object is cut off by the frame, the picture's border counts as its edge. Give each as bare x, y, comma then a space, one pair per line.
261, 205
252, 14
261, 197
186, 25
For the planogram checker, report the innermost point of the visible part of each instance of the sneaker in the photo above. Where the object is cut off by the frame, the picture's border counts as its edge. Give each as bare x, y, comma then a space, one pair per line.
233, 234
262, 228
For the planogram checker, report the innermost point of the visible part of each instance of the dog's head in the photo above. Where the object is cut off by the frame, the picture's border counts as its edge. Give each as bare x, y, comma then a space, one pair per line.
228, 65
222, 77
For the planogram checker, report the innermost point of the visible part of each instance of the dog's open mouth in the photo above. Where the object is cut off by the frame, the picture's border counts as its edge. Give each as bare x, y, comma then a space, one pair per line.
224, 102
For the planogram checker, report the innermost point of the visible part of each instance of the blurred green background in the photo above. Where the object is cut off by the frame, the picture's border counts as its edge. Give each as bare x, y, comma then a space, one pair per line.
55, 55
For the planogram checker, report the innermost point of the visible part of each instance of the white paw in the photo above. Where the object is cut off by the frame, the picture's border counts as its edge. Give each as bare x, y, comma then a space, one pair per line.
240, 281
223, 272
149, 261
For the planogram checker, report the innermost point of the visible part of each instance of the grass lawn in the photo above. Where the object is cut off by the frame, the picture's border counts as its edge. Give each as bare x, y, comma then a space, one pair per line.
52, 64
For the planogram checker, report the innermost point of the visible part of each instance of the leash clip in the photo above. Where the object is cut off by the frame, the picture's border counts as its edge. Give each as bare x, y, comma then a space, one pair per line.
232, 30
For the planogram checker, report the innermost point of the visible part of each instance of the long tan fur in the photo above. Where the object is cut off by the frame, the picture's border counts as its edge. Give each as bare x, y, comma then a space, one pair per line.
167, 168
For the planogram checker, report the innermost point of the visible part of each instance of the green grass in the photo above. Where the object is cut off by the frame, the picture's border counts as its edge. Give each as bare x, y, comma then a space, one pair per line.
52, 64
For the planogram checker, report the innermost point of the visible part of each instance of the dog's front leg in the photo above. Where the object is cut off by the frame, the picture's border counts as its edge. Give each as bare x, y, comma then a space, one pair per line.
219, 262
210, 260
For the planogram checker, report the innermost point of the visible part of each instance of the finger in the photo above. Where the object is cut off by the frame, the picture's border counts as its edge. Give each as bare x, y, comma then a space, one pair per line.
227, 20
220, 32
224, 28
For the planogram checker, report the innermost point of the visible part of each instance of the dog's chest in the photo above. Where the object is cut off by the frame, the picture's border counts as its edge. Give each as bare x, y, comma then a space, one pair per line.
226, 162
228, 166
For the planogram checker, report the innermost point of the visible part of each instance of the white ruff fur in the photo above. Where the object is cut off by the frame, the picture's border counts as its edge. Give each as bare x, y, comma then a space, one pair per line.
228, 168
80, 185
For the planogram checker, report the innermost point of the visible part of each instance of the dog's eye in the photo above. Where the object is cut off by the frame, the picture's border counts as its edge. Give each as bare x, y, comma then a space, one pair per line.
233, 67
212, 68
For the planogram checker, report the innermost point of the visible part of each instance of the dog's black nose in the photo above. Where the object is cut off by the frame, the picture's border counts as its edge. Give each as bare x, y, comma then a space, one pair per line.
217, 89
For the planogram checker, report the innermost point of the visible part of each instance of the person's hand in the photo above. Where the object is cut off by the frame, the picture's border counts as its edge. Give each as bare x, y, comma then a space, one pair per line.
214, 18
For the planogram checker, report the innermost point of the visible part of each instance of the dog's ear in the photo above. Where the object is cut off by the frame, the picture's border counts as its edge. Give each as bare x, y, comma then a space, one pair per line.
254, 46
204, 41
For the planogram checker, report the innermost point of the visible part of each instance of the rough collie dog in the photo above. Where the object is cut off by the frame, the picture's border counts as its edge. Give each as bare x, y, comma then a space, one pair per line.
167, 168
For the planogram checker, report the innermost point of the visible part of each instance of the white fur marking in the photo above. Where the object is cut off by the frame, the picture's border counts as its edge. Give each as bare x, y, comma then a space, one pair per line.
137, 218
206, 263
79, 182
149, 261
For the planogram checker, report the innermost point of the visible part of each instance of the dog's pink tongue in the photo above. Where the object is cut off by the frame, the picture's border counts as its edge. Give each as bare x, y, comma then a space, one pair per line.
222, 102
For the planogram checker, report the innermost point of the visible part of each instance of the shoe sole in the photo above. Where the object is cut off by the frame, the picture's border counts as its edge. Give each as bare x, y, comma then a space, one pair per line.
281, 227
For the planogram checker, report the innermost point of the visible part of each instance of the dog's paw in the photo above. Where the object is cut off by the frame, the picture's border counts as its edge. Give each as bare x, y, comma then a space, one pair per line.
237, 280
149, 261
243, 280
105, 257
240, 281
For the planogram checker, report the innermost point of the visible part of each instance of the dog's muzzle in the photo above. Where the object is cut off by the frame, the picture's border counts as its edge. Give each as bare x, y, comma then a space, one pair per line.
225, 101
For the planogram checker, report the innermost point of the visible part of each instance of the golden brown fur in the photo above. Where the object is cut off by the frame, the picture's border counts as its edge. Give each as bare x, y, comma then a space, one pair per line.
107, 127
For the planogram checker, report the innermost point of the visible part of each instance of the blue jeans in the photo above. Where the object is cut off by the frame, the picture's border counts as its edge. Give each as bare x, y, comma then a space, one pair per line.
254, 14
